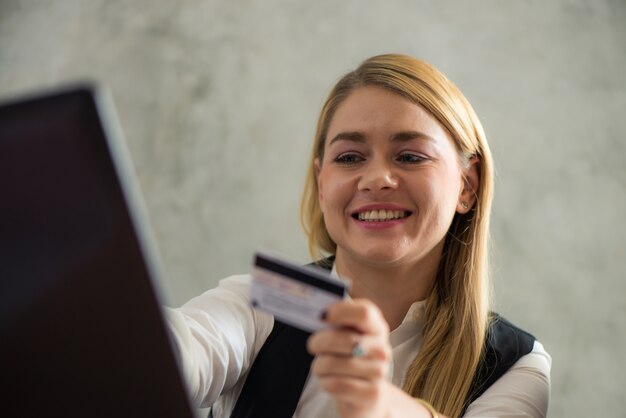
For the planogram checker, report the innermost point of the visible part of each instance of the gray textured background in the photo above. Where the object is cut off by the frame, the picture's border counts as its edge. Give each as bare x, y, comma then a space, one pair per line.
218, 100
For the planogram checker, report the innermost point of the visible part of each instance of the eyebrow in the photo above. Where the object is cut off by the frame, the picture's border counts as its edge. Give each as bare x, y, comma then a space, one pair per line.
404, 136
348, 136
410, 135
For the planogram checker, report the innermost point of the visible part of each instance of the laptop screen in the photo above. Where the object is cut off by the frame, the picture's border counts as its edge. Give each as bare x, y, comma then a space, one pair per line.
81, 331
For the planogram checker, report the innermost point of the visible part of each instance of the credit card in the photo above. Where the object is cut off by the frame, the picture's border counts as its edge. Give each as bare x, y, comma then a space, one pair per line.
296, 295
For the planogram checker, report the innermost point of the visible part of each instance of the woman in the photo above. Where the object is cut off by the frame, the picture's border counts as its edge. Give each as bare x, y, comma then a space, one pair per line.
399, 192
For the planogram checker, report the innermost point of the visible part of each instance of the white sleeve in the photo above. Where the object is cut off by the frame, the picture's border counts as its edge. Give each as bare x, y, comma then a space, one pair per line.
523, 391
216, 337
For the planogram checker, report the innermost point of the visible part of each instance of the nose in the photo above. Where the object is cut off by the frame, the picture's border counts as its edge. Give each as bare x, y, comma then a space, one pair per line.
378, 176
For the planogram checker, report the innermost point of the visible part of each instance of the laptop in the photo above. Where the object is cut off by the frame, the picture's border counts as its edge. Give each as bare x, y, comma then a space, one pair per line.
81, 327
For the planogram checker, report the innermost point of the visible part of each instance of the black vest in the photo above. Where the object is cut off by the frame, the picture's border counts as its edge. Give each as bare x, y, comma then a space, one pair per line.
279, 372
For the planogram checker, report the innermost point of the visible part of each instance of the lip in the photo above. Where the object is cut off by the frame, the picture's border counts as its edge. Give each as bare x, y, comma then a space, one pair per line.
380, 224
379, 206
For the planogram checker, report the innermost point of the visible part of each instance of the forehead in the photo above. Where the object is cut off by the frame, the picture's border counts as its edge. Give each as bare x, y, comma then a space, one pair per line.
374, 110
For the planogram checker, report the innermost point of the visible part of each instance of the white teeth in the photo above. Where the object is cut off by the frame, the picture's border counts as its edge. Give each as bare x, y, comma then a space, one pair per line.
382, 215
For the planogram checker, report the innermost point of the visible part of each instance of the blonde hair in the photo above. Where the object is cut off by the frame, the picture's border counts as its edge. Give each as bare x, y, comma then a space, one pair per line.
456, 316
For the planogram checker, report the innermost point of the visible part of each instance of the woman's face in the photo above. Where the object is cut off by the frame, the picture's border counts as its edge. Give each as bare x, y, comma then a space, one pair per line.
390, 181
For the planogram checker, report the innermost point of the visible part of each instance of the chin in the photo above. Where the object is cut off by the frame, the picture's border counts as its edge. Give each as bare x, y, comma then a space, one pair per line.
378, 257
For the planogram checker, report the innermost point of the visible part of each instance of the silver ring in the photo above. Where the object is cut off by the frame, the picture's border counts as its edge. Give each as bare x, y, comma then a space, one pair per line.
358, 350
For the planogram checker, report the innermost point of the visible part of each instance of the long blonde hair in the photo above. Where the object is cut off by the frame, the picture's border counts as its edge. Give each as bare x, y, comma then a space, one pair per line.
456, 315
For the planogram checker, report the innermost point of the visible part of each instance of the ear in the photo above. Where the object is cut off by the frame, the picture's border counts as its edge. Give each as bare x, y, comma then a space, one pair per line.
471, 182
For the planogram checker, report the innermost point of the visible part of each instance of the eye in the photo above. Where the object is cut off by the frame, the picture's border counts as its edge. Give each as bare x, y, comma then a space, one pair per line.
348, 158
410, 158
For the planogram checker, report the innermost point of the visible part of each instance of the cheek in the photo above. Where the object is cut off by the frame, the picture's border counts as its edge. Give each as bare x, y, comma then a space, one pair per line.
439, 197
322, 191
333, 191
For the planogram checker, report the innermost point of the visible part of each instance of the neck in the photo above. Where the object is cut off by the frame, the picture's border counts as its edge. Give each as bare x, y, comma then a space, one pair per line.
394, 287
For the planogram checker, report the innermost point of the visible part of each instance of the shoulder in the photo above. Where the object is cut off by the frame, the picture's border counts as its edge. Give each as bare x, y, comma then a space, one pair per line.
523, 390
538, 359
514, 348
505, 344
507, 341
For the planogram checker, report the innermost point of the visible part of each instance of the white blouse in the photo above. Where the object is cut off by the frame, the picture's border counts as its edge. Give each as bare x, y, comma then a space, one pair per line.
217, 336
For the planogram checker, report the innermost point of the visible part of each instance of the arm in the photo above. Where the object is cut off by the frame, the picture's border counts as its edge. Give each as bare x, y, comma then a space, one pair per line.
216, 337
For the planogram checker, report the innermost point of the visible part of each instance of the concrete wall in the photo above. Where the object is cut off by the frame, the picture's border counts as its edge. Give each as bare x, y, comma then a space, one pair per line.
218, 100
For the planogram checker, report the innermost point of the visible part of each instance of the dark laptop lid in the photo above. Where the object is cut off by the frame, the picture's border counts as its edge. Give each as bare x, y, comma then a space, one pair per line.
81, 330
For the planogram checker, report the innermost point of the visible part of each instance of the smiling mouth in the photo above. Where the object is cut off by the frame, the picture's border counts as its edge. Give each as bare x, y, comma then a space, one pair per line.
381, 215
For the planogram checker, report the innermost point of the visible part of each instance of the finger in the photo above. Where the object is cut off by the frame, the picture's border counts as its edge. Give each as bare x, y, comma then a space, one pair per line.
355, 391
361, 315
339, 341
343, 342
354, 367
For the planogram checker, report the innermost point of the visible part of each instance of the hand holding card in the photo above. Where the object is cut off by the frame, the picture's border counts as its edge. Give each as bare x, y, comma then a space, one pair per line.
296, 295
